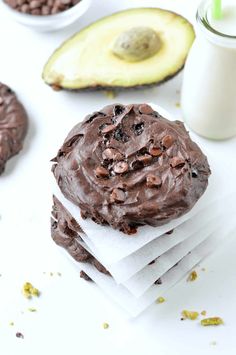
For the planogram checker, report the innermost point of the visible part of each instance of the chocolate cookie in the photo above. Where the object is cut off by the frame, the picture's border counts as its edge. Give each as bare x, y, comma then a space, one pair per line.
65, 233
128, 166
13, 125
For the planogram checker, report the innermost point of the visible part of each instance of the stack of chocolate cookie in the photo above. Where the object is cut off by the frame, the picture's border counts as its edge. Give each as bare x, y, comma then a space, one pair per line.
127, 206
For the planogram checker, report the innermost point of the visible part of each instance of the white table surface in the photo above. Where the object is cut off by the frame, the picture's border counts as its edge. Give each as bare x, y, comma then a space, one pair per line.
70, 312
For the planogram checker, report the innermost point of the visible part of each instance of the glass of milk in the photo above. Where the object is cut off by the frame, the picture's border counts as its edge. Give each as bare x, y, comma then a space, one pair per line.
209, 85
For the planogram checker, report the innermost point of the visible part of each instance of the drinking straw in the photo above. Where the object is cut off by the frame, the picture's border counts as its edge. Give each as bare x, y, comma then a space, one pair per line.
216, 9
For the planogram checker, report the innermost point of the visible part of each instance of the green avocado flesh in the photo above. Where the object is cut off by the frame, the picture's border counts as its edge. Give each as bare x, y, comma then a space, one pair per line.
87, 60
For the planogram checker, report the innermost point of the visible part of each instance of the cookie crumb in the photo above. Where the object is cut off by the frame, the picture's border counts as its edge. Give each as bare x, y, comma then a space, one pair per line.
30, 309
203, 313
19, 335
212, 321
190, 314
177, 104
160, 300
203, 269
58, 273
192, 276
29, 290
11, 324
105, 325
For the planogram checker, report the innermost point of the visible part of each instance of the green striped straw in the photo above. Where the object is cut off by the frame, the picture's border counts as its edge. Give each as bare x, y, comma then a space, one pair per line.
216, 9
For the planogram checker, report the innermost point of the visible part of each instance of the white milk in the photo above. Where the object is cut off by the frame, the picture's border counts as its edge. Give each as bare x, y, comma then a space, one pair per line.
227, 23
209, 85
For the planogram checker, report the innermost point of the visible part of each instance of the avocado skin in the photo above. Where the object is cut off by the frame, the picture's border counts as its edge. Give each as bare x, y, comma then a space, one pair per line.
117, 88
94, 88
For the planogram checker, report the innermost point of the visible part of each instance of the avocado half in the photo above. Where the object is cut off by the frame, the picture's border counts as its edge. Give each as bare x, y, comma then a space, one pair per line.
87, 60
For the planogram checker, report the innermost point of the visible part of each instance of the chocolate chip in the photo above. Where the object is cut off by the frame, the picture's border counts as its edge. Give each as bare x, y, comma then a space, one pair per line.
25, 8
108, 128
35, 12
194, 174
138, 128
19, 335
34, 4
170, 231
101, 127
118, 110
152, 262
45, 10
74, 164
55, 10
94, 115
84, 276
41, 7
119, 135
100, 171
156, 114
167, 141
135, 165
121, 167
177, 162
112, 154
155, 151
158, 281
145, 159
117, 195
145, 109
9, 91
12, 3
131, 229
142, 151
153, 181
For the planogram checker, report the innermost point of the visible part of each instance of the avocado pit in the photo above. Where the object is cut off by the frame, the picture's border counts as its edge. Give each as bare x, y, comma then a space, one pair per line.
137, 44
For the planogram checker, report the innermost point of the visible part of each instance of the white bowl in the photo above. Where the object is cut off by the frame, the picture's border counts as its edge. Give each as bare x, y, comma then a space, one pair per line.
48, 22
